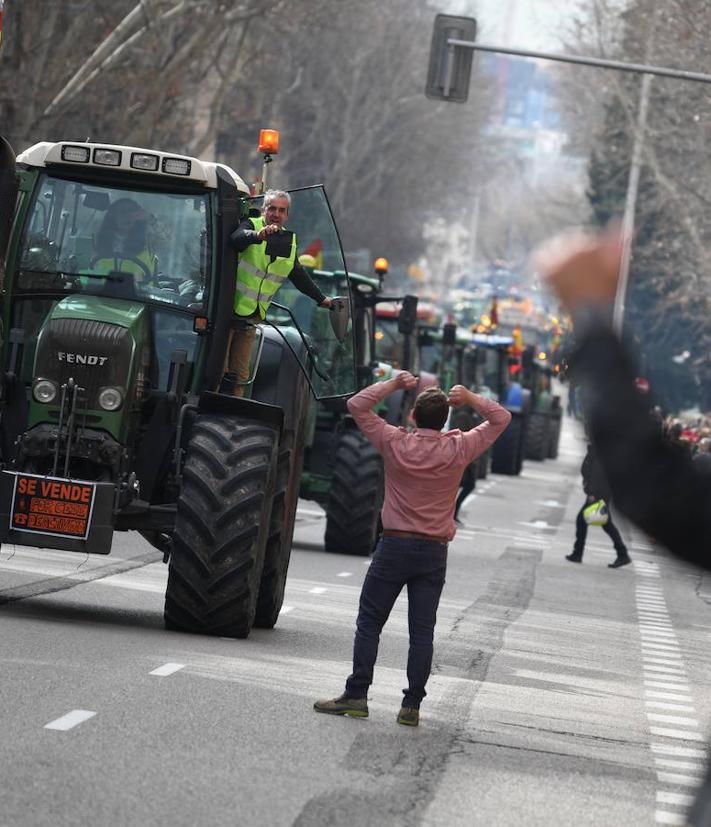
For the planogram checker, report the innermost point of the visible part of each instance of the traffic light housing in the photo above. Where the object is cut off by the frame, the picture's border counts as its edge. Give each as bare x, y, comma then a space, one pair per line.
450, 67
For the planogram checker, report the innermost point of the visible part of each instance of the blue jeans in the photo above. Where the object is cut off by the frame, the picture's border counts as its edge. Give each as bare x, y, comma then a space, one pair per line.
421, 566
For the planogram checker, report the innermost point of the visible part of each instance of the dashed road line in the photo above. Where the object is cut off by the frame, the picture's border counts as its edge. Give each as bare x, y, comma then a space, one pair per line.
70, 720
664, 669
345, 574
317, 590
167, 669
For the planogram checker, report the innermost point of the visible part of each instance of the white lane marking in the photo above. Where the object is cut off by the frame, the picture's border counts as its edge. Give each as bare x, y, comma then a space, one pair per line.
167, 669
663, 629
70, 720
668, 706
657, 671
682, 799
668, 682
671, 764
659, 636
684, 752
670, 696
661, 648
669, 660
664, 817
317, 590
286, 609
665, 732
345, 574
676, 778
366, 562
679, 720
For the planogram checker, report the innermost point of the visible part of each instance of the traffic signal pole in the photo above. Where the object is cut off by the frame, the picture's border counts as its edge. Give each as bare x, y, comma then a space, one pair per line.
446, 64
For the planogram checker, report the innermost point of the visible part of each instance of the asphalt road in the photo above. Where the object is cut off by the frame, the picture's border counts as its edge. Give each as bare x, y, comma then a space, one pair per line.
562, 694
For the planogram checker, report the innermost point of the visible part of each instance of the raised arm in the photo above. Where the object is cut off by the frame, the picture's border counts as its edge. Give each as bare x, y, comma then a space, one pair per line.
361, 406
478, 439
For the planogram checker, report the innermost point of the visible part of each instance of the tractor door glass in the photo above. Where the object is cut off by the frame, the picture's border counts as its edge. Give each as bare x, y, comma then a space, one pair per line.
122, 243
326, 352
431, 356
389, 342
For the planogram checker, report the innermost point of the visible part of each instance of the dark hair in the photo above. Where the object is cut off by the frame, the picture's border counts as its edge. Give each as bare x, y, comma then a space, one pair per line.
431, 409
136, 239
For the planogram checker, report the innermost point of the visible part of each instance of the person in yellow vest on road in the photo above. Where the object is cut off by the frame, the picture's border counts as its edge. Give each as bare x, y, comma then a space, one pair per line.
267, 257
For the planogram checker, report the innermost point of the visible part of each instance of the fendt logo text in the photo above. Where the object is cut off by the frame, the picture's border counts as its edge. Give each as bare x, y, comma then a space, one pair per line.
81, 358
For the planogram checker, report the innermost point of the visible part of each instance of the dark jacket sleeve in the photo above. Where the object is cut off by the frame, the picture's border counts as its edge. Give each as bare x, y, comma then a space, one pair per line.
303, 282
244, 235
655, 486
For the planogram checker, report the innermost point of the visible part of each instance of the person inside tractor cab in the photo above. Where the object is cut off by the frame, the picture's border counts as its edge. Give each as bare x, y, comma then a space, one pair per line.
267, 257
122, 243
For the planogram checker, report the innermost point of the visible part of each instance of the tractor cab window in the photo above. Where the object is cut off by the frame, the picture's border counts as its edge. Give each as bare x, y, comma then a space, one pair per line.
124, 243
330, 360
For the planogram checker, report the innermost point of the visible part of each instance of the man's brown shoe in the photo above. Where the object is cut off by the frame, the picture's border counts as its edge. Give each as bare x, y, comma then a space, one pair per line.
408, 716
353, 707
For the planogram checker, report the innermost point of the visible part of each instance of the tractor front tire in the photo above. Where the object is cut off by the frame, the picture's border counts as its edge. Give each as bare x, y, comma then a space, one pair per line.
281, 533
221, 527
356, 497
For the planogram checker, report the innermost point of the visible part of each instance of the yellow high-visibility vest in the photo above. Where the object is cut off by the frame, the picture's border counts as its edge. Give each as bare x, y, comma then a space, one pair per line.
258, 277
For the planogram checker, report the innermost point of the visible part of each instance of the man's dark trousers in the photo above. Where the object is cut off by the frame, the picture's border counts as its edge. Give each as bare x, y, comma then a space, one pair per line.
581, 533
421, 566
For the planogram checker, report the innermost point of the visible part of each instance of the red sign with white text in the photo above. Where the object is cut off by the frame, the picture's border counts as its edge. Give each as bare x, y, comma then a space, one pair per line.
47, 505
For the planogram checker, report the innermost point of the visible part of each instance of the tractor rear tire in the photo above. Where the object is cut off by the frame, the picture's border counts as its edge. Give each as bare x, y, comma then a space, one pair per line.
506, 457
538, 435
356, 497
221, 527
554, 438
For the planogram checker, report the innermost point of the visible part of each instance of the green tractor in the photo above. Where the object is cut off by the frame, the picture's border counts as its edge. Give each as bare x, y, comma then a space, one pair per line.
493, 377
543, 433
342, 470
448, 352
111, 415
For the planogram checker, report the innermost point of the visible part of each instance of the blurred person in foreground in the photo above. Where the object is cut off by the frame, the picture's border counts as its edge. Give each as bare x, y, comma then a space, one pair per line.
423, 470
654, 484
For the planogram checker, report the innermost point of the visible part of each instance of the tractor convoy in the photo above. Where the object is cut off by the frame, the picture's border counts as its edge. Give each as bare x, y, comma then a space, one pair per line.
118, 280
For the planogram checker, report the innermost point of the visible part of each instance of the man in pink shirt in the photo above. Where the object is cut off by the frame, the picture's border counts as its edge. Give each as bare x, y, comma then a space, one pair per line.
423, 469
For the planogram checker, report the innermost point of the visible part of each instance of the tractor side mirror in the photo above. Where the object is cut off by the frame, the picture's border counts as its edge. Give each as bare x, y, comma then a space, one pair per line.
449, 334
340, 314
407, 320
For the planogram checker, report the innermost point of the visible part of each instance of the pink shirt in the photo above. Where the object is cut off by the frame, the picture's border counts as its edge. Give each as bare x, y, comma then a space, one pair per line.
423, 468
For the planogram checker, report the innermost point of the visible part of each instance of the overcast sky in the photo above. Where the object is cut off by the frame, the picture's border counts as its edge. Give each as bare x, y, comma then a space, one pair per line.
527, 24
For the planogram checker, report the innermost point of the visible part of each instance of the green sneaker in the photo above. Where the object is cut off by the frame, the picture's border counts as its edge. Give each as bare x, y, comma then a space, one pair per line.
408, 716
353, 707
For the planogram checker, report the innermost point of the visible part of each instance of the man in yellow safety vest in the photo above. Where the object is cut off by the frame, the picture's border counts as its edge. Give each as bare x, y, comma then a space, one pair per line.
263, 267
